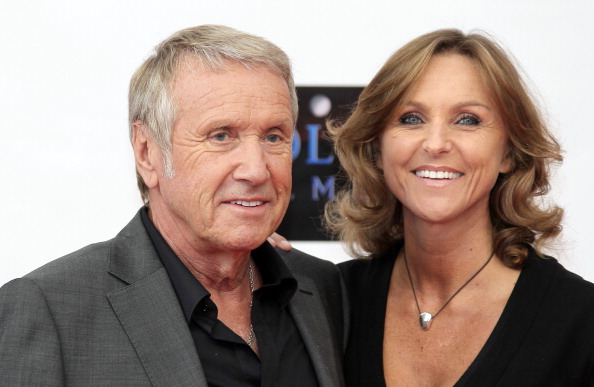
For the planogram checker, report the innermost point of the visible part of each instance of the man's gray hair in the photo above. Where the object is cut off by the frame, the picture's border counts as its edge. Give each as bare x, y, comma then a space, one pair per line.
150, 99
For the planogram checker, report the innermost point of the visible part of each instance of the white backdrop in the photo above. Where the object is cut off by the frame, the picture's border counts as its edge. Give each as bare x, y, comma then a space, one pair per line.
66, 169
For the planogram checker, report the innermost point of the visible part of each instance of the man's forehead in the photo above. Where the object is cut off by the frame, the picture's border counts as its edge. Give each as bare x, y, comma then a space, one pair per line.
195, 78
192, 66
231, 98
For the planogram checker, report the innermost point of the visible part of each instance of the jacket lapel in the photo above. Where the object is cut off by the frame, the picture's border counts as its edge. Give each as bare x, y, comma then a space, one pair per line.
311, 320
149, 311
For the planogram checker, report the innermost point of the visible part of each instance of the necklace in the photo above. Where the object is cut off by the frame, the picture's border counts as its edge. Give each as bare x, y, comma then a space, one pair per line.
425, 318
252, 336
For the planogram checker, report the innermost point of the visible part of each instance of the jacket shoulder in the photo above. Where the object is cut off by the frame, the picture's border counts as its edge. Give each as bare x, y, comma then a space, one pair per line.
302, 264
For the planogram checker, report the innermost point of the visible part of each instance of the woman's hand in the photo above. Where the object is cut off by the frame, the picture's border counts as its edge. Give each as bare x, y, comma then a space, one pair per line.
280, 241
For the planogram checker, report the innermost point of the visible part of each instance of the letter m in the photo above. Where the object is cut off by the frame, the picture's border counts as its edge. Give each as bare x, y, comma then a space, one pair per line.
319, 189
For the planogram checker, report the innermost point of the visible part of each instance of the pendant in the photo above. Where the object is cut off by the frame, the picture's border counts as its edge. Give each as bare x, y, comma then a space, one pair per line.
425, 320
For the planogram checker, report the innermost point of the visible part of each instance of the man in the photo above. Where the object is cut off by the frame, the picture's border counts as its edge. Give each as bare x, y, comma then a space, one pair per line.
189, 292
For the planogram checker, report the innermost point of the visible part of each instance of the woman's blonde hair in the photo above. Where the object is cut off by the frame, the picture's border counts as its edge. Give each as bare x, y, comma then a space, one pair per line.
368, 217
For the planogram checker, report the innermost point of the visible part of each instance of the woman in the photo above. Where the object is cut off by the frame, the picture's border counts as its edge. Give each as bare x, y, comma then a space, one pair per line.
447, 161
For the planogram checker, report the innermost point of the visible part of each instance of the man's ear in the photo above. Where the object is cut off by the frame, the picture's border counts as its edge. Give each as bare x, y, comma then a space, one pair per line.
147, 154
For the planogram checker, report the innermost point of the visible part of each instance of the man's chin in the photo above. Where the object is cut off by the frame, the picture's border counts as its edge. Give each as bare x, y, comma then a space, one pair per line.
245, 242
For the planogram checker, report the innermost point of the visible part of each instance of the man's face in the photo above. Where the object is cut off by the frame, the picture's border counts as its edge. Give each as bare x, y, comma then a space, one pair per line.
231, 158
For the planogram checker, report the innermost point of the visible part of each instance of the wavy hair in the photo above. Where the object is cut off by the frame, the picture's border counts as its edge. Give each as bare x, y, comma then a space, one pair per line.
368, 217
150, 99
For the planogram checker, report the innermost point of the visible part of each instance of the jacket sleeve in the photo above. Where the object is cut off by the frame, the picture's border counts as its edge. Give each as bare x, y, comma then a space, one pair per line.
30, 353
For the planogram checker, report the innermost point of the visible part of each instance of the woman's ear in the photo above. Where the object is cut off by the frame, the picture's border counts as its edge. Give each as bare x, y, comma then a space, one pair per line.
507, 162
377, 154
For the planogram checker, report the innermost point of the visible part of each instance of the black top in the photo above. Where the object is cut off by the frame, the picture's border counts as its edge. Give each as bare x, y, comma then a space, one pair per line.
544, 337
226, 358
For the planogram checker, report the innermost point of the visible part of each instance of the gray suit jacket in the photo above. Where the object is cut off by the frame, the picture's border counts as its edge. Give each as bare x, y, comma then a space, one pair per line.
108, 315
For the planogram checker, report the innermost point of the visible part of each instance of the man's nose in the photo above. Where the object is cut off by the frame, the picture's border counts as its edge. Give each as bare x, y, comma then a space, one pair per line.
251, 163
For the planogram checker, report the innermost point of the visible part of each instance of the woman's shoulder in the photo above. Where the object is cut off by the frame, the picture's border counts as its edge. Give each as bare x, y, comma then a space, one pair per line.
356, 265
355, 268
357, 272
560, 275
564, 287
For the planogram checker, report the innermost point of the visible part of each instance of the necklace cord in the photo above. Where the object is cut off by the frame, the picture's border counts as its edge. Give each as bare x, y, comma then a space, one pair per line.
453, 295
252, 335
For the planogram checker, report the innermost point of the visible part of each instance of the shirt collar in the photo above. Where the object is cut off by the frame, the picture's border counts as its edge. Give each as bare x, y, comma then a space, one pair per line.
278, 283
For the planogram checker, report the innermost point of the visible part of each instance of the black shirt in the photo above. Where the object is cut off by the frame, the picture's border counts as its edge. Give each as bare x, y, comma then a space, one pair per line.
226, 358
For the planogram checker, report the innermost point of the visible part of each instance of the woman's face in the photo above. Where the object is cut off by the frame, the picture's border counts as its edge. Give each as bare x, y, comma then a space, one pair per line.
442, 152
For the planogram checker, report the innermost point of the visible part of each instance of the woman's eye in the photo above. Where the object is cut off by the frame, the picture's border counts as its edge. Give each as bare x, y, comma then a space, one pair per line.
470, 120
410, 119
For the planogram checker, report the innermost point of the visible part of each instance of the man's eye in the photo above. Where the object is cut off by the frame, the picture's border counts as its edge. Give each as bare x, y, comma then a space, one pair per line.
221, 136
273, 138
410, 119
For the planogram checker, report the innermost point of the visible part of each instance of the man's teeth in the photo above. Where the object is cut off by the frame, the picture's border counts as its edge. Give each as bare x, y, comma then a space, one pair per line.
438, 174
246, 204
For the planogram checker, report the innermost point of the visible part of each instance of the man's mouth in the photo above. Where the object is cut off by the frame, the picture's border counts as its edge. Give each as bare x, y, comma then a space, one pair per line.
438, 174
244, 203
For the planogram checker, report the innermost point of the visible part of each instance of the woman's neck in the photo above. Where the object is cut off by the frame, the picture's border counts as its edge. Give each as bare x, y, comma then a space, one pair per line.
446, 254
